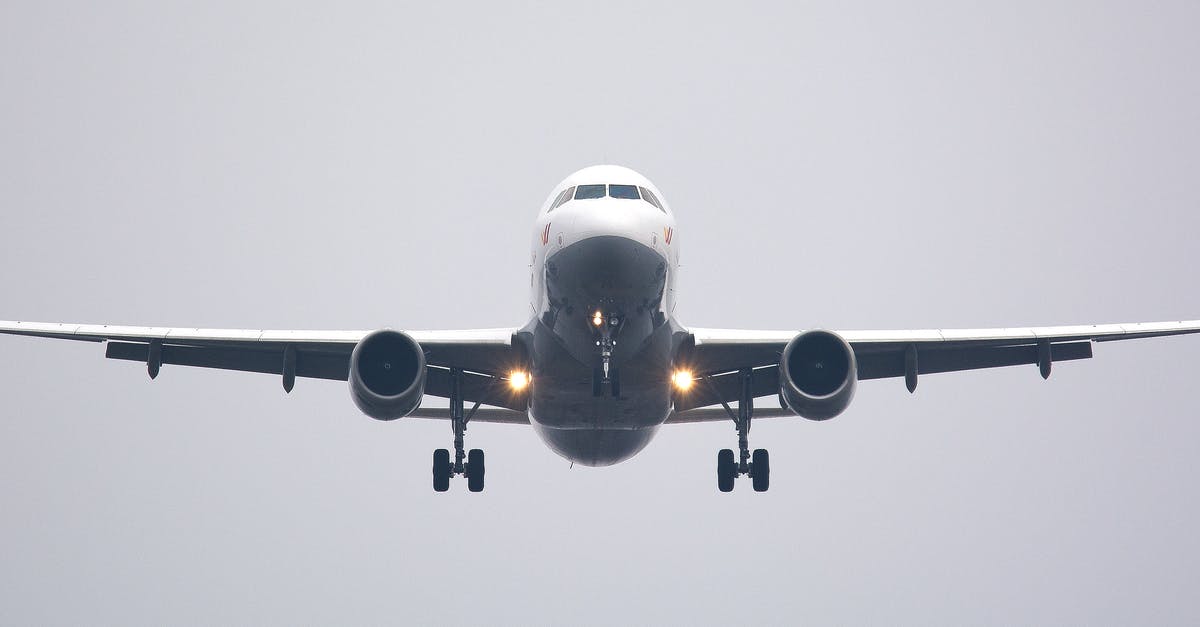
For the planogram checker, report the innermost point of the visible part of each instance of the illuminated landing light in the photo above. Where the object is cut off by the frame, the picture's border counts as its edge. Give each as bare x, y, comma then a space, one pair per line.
519, 380
598, 318
683, 380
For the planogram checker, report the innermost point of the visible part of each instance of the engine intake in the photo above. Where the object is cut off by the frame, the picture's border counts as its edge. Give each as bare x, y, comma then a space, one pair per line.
817, 375
387, 375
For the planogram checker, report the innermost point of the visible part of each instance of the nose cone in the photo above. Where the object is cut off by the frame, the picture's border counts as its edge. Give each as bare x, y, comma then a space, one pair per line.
632, 219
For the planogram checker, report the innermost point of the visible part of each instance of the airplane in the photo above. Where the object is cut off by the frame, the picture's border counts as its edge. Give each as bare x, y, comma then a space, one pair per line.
603, 361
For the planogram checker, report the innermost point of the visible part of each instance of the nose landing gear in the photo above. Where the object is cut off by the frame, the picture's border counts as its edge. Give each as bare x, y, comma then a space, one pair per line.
606, 330
757, 466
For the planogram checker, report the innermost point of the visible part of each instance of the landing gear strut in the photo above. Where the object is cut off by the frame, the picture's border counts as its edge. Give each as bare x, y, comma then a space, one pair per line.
606, 329
472, 467
757, 466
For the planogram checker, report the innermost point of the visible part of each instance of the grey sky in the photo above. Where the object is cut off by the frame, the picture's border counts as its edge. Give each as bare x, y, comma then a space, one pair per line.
847, 165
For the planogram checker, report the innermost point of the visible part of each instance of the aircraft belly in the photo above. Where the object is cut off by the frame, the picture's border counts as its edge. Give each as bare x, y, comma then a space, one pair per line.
596, 430
580, 415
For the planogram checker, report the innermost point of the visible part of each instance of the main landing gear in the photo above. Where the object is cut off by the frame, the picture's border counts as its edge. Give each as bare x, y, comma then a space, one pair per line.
472, 467
756, 466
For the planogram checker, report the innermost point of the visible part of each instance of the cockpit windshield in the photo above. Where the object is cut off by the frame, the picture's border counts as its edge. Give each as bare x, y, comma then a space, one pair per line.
591, 192
649, 197
628, 192
588, 192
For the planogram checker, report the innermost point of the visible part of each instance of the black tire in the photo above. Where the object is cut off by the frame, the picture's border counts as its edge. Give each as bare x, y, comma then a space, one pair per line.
726, 470
475, 470
441, 470
760, 470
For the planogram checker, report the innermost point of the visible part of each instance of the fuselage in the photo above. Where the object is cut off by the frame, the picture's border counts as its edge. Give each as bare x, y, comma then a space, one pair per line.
602, 335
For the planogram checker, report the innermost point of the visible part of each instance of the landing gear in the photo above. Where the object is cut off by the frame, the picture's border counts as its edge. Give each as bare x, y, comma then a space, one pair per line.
756, 466
474, 470
469, 465
760, 470
605, 332
727, 470
442, 469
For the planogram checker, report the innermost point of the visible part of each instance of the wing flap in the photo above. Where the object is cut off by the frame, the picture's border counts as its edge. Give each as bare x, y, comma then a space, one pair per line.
476, 388
715, 358
310, 364
728, 387
725, 350
483, 414
880, 364
718, 414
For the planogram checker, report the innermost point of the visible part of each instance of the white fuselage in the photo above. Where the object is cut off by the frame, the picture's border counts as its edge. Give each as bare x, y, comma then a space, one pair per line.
577, 220
603, 267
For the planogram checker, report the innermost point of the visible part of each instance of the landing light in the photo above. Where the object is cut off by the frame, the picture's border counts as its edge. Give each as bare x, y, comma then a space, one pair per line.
682, 379
598, 319
519, 379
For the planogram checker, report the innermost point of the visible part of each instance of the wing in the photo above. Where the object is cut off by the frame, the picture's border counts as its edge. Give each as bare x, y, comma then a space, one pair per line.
484, 354
720, 353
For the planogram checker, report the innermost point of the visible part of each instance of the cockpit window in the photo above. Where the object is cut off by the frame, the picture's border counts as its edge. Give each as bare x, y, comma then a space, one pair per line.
566, 195
588, 192
557, 200
623, 192
649, 197
628, 192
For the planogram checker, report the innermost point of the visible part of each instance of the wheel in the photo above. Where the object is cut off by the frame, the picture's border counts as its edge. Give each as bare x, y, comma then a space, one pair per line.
760, 470
475, 470
726, 470
441, 470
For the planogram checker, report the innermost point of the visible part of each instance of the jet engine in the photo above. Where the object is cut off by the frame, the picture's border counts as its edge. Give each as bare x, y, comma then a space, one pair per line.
387, 375
817, 375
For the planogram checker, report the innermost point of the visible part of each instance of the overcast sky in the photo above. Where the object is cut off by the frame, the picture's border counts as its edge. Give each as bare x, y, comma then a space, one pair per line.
846, 165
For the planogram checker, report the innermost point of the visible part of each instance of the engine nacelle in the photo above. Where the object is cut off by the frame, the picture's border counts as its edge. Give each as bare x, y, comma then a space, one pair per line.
387, 375
817, 375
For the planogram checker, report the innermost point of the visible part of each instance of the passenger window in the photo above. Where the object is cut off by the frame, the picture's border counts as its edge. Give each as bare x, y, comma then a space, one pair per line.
649, 197
628, 192
588, 192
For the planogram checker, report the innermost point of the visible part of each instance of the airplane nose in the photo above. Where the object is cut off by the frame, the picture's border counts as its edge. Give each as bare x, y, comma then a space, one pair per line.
612, 217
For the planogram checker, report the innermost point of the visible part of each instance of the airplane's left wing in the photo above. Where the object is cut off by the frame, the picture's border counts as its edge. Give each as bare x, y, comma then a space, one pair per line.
719, 354
483, 353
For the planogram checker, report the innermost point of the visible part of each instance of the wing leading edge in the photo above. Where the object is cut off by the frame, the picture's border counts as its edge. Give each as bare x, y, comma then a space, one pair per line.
484, 354
720, 353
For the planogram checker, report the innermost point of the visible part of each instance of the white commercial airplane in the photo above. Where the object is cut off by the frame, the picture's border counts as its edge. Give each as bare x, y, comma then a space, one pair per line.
603, 361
